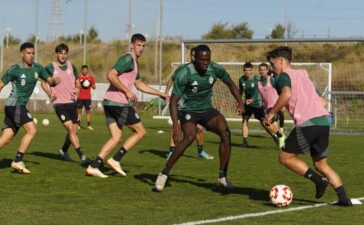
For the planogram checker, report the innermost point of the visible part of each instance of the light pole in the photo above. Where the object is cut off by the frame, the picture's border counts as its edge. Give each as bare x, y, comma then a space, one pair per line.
7, 30
36, 30
85, 34
81, 34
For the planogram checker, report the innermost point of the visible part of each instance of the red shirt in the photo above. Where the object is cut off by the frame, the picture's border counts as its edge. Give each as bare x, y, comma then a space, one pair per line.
85, 93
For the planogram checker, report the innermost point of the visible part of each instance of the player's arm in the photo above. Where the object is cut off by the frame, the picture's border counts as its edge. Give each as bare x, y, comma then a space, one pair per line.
168, 85
2, 85
141, 86
113, 77
93, 83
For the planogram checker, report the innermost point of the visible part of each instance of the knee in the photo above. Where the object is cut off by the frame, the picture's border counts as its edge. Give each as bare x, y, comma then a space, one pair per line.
141, 133
226, 134
32, 132
283, 159
190, 137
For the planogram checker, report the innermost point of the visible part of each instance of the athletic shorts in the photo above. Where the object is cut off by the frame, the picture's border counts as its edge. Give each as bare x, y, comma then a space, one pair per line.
66, 112
16, 116
84, 103
122, 115
259, 113
313, 139
200, 118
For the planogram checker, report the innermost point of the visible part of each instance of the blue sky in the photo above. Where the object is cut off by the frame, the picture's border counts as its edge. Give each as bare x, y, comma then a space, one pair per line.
187, 18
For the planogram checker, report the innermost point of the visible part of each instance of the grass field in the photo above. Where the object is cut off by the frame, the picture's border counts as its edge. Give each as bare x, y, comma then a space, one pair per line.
59, 192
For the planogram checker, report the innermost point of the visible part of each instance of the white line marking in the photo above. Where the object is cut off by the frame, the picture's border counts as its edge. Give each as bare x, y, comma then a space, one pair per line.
250, 215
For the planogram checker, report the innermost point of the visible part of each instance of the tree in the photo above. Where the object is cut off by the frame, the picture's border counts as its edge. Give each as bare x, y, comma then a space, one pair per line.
277, 32
12, 40
222, 31
92, 34
218, 31
242, 31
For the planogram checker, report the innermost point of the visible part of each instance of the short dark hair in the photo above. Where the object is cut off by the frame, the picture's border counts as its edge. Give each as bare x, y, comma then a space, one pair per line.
282, 51
264, 65
137, 37
202, 48
248, 65
61, 47
193, 50
26, 45
84, 66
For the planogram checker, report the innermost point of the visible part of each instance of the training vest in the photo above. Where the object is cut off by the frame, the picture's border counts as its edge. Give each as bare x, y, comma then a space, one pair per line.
304, 104
64, 91
127, 79
268, 93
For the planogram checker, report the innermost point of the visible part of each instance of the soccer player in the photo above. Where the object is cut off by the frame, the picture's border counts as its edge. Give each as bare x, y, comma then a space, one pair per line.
87, 82
268, 93
248, 85
23, 77
199, 129
63, 97
195, 80
118, 110
311, 134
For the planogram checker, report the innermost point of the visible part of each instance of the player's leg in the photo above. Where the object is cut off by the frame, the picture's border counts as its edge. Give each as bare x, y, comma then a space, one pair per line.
6, 137
116, 133
88, 113
10, 127
79, 112
273, 129
216, 123
281, 121
319, 154
199, 140
171, 145
245, 124
189, 134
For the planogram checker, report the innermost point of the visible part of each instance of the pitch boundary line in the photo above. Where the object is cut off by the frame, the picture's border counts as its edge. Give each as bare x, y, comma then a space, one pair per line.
251, 215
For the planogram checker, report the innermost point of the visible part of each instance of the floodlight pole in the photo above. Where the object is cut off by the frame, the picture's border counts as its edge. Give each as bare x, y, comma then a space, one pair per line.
36, 31
160, 49
85, 34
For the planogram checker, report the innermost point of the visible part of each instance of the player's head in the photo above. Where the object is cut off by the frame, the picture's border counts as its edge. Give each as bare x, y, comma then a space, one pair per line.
248, 69
263, 70
192, 54
62, 53
280, 58
202, 58
84, 69
27, 53
137, 44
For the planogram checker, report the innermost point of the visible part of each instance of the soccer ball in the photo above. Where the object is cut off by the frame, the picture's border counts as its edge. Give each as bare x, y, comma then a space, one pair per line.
281, 195
45, 122
85, 83
35, 120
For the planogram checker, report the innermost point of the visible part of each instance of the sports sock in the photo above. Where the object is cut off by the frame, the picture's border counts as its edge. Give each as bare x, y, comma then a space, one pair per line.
80, 153
96, 163
88, 123
341, 194
166, 170
223, 171
313, 176
122, 151
66, 144
245, 139
19, 156
199, 148
171, 148
279, 135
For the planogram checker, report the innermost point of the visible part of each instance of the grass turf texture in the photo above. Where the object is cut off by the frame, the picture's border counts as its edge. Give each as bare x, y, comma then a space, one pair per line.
59, 192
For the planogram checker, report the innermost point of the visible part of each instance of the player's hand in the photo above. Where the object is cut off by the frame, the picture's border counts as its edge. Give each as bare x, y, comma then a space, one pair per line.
56, 80
239, 108
53, 96
248, 101
131, 96
165, 96
268, 120
76, 92
176, 133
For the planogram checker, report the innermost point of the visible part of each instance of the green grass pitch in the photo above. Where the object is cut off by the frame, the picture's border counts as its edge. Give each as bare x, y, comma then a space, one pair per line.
59, 192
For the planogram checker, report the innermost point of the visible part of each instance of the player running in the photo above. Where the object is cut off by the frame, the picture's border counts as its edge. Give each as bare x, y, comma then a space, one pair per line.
23, 77
311, 134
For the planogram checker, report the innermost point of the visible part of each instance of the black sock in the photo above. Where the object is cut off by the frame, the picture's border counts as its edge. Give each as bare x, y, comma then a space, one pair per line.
88, 123
279, 134
199, 148
80, 153
223, 171
166, 170
19, 156
245, 139
66, 144
313, 176
96, 163
171, 148
121, 152
341, 194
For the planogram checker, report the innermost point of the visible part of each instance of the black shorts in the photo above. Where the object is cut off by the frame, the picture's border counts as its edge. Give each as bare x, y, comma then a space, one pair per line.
16, 116
313, 139
122, 115
259, 113
84, 103
66, 112
200, 118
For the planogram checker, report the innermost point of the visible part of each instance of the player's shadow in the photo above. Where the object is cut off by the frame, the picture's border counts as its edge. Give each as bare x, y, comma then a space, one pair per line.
162, 154
238, 145
5, 163
47, 155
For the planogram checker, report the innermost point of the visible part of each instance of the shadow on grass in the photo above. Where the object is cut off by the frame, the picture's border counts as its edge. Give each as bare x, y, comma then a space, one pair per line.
250, 147
162, 154
5, 163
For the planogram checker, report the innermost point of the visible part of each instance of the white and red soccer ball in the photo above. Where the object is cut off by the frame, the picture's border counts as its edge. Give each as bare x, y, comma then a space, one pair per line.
281, 195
